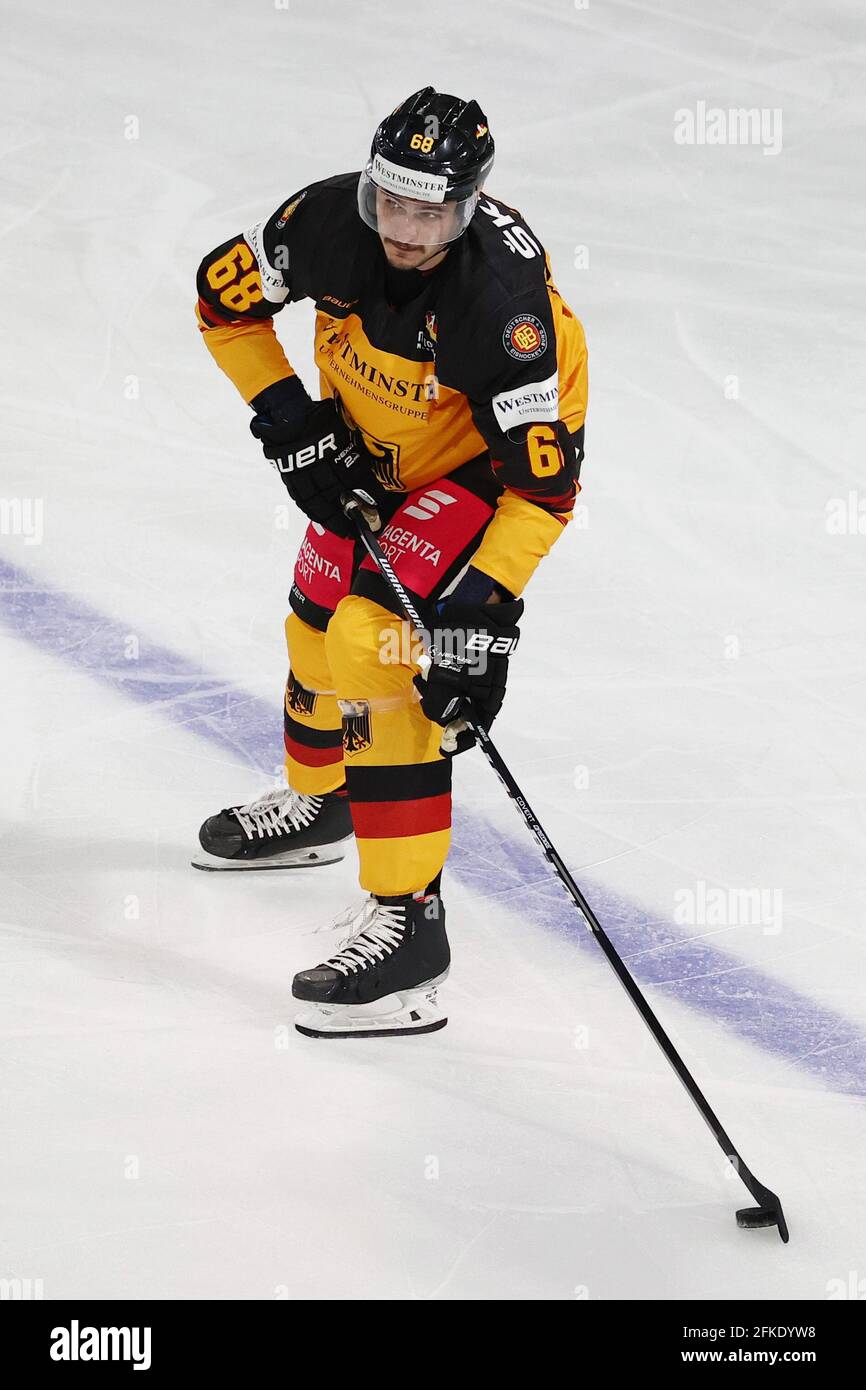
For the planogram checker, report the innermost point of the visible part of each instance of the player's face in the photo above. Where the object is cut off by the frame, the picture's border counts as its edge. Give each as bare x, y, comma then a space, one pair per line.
412, 232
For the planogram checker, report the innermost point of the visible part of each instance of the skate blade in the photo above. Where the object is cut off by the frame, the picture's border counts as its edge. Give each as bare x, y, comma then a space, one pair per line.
397, 1015
289, 859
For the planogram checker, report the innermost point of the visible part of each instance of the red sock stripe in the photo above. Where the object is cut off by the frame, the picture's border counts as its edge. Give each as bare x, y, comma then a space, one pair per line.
392, 820
312, 757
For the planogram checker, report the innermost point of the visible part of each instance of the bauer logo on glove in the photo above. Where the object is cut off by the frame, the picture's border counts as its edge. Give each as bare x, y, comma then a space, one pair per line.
469, 668
320, 461
302, 458
483, 642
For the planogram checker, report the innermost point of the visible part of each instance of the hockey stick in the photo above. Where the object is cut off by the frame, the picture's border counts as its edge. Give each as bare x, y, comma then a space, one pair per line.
768, 1212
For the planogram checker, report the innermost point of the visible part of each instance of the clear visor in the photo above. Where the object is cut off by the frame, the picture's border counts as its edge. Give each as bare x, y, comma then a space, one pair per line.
409, 221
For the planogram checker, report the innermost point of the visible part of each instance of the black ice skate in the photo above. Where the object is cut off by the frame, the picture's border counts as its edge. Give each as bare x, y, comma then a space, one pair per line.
283, 829
383, 978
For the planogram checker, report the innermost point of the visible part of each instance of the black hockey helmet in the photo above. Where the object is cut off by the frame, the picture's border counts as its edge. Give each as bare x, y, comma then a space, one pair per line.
432, 149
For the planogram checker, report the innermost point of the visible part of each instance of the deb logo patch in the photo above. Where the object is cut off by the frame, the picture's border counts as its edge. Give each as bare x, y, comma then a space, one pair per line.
525, 337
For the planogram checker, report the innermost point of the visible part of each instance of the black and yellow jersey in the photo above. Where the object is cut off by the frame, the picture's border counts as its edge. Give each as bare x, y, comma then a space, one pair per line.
480, 355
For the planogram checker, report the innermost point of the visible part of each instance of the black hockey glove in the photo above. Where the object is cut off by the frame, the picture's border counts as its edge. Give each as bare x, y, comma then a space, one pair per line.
286, 405
471, 649
317, 457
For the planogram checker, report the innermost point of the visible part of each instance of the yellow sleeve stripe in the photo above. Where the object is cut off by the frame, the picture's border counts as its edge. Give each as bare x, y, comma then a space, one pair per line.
249, 354
518, 537
571, 362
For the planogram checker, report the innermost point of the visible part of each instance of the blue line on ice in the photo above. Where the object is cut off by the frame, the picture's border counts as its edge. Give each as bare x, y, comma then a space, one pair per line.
755, 1006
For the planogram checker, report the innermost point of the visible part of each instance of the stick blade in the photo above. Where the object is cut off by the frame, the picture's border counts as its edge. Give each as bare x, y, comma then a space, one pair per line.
768, 1214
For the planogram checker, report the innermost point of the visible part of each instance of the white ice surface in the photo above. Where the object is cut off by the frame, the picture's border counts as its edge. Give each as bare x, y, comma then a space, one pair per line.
310, 1170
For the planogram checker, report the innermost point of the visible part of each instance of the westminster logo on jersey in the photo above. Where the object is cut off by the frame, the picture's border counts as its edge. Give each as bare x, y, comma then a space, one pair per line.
357, 727
298, 699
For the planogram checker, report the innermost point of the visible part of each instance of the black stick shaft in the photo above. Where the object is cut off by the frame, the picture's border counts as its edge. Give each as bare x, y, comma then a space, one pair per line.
761, 1193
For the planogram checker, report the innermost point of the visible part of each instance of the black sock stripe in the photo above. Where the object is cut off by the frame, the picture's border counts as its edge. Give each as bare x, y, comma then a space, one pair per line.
312, 738
405, 782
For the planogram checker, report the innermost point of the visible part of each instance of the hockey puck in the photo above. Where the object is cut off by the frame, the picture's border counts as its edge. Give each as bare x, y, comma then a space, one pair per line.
756, 1218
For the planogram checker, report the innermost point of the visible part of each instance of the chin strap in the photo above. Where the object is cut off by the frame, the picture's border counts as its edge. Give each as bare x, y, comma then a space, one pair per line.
438, 252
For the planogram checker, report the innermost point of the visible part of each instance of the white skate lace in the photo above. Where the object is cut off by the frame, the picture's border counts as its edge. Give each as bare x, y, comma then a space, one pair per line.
276, 812
377, 929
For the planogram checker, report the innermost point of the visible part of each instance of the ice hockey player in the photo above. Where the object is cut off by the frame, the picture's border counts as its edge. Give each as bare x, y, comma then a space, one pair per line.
453, 387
